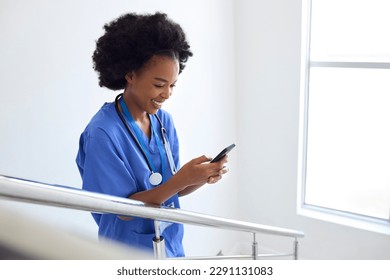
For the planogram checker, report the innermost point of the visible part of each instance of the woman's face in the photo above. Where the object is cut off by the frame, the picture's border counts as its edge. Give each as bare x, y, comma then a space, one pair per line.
149, 87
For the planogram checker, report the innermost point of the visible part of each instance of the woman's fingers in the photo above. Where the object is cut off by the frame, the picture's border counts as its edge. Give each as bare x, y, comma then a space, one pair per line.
214, 179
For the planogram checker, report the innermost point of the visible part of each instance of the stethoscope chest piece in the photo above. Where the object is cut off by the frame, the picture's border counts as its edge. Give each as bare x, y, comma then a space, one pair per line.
155, 179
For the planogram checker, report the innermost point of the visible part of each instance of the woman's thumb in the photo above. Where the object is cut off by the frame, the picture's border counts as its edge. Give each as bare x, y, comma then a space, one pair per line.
201, 159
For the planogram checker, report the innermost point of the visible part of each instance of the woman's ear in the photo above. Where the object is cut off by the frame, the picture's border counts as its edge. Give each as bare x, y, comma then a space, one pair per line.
129, 77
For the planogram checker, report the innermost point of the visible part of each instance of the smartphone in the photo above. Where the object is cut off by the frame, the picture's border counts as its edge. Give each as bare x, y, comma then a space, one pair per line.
223, 153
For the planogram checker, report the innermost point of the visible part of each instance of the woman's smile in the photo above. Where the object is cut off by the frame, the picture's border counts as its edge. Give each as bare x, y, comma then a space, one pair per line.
157, 104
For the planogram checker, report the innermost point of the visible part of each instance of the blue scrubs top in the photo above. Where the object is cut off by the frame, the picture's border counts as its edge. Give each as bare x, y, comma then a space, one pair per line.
110, 162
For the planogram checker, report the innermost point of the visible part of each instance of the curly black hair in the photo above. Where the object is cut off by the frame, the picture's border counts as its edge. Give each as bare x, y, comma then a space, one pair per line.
131, 40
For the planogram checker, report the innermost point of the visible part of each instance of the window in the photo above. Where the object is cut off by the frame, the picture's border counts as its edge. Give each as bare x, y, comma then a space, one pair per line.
345, 112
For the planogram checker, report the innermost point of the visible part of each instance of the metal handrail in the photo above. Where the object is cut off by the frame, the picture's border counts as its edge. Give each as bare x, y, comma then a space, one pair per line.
66, 197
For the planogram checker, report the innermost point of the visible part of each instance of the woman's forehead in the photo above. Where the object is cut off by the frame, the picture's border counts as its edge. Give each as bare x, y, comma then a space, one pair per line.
161, 65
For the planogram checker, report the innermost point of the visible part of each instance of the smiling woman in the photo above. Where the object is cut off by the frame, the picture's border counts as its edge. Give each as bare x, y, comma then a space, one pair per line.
126, 148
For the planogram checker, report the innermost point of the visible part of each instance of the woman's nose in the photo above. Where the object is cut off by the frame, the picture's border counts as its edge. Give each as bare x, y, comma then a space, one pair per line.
167, 92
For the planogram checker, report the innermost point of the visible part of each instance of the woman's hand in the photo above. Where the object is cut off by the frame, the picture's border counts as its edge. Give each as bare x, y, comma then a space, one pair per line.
199, 171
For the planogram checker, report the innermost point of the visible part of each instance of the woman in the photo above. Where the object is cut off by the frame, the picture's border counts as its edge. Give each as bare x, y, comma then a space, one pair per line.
121, 151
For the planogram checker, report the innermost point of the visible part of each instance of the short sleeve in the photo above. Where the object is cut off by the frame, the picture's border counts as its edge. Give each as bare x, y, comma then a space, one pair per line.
101, 167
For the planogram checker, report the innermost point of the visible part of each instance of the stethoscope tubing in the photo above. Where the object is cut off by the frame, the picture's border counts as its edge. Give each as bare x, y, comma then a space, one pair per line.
163, 134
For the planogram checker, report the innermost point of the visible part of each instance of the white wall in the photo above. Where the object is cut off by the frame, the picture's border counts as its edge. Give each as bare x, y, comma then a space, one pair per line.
268, 67
49, 91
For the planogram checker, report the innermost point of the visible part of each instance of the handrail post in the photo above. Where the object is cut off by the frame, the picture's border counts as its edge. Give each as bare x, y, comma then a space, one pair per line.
296, 249
158, 242
255, 249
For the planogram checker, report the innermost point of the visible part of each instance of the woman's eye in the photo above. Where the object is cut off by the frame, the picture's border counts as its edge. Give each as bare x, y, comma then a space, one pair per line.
161, 86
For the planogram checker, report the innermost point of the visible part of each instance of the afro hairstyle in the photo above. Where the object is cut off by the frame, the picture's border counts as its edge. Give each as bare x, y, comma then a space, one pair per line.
131, 40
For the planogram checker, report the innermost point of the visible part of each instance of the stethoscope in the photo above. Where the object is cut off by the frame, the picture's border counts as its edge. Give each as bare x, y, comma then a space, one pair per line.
155, 177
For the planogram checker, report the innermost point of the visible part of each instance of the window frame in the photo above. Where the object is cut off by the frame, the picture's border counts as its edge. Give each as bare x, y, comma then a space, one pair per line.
318, 212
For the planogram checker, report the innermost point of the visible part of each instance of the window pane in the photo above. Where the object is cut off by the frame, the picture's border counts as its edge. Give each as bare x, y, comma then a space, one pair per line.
348, 152
350, 30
